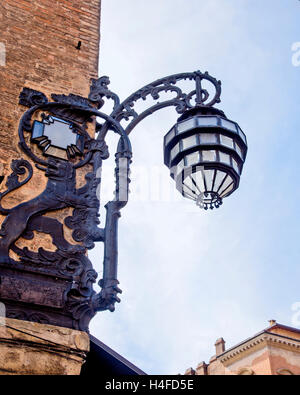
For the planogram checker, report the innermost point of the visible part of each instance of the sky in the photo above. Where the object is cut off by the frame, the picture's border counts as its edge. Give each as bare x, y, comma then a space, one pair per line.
189, 276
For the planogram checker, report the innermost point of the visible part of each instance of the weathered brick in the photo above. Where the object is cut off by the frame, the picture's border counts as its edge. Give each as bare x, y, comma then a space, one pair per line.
40, 39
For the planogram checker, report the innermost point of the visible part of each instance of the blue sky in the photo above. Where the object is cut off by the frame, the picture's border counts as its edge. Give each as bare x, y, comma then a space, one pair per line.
190, 276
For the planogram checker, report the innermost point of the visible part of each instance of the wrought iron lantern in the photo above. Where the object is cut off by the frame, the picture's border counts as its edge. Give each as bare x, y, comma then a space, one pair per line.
205, 153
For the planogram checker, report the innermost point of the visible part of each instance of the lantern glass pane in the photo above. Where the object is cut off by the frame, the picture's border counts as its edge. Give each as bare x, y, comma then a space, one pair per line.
229, 125
180, 166
189, 142
226, 184
208, 156
188, 192
227, 190
209, 177
238, 150
241, 133
192, 159
198, 179
227, 141
235, 166
38, 130
186, 125
207, 121
244, 138
174, 151
170, 136
220, 176
189, 182
225, 158
208, 138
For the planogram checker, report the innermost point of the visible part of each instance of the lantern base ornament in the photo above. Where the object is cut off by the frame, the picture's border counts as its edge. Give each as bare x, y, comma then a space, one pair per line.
208, 200
204, 151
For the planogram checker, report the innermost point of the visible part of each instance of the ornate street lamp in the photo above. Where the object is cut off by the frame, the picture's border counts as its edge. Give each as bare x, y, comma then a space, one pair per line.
204, 151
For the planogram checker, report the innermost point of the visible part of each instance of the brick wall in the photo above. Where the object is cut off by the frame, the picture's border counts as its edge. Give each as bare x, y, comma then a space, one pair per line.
39, 39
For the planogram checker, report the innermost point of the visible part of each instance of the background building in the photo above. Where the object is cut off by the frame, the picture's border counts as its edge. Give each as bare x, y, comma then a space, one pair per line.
273, 351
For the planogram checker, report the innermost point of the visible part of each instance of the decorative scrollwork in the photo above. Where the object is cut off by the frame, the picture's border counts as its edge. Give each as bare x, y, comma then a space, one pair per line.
99, 89
30, 97
71, 99
82, 104
84, 221
181, 101
19, 167
98, 145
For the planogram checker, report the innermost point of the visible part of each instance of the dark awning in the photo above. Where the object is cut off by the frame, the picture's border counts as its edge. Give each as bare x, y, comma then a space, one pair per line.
102, 360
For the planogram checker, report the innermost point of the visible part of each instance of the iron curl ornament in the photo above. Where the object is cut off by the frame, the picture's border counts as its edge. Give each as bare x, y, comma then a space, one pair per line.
56, 286
181, 101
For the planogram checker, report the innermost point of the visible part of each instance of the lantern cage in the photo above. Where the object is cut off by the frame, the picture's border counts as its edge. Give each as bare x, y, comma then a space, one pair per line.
205, 153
